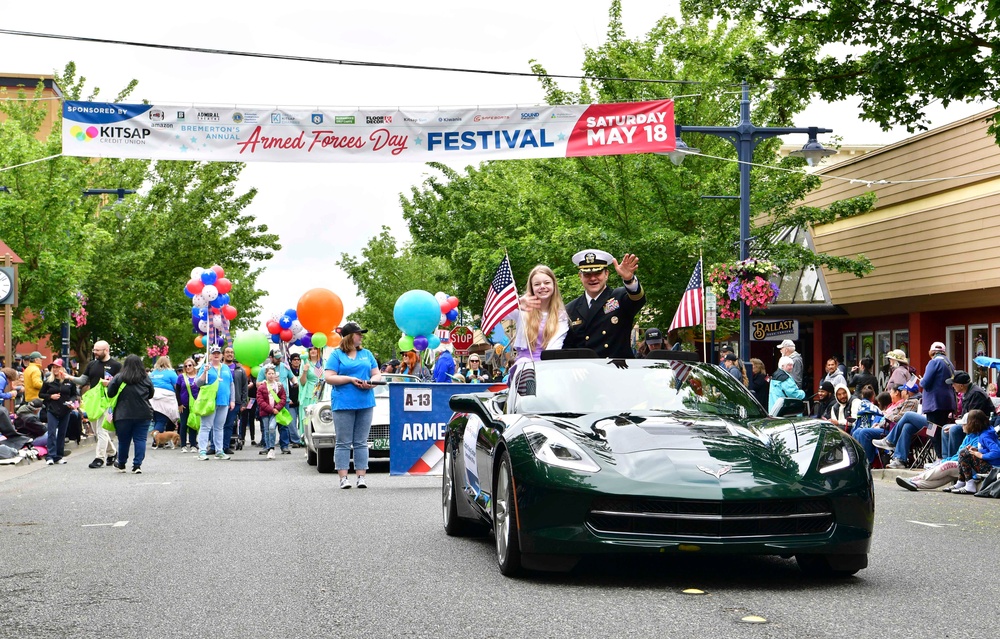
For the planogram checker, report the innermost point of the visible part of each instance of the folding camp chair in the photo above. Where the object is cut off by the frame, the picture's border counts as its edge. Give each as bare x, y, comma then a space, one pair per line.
922, 449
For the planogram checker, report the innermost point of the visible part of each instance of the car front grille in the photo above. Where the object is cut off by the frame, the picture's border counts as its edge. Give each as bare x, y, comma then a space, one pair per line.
710, 519
378, 431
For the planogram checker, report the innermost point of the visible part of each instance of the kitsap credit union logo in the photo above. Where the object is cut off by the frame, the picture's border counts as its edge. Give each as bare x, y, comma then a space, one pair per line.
84, 135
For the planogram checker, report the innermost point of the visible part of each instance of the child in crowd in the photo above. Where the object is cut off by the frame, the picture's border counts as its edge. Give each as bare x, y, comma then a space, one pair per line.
973, 460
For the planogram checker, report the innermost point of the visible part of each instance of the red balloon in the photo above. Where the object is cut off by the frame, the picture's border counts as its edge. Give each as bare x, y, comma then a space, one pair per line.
194, 286
229, 312
445, 307
453, 303
218, 271
273, 327
223, 285
215, 311
286, 335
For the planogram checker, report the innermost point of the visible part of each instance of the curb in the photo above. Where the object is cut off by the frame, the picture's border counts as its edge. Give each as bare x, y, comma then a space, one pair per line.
24, 468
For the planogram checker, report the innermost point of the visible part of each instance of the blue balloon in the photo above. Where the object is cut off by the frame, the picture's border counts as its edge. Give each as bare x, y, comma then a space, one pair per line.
452, 315
498, 336
209, 277
433, 342
285, 321
188, 293
276, 339
417, 313
225, 298
291, 313
217, 302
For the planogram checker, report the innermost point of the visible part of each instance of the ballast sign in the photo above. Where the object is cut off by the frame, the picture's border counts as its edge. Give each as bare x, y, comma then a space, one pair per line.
252, 134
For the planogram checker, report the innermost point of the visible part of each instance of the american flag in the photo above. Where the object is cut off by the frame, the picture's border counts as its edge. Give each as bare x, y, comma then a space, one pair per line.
691, 310
501, 298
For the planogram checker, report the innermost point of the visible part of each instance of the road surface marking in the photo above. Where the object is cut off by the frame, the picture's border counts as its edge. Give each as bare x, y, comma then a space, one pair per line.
924, 523
117, 524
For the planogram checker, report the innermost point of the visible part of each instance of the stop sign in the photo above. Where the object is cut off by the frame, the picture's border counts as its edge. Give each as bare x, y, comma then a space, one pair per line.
461, 338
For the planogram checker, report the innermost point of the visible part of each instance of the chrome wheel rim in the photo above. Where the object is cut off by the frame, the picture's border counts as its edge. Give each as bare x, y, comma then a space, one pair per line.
446, 488
501, 513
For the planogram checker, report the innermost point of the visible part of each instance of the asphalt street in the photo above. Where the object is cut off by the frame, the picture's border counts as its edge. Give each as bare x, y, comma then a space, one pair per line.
253, 548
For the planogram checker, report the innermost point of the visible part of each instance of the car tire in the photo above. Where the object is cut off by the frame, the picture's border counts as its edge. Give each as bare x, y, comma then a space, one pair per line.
831, 566
324, 460
505, 526
310, 456
454, 526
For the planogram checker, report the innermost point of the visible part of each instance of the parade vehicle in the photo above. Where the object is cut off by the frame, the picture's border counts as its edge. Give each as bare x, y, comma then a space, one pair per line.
585, 455
321, 437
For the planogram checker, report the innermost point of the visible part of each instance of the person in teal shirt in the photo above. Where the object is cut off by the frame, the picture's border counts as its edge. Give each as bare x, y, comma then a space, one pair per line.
349, 369
213, 424
309, 377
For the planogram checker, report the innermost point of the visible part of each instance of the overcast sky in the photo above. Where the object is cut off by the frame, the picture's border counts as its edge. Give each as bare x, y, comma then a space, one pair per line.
323, 210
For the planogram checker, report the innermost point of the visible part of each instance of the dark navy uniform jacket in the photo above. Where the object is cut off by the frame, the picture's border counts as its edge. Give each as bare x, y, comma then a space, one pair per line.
605, 327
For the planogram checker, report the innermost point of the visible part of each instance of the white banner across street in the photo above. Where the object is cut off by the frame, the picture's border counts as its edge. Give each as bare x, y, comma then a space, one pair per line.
163, 132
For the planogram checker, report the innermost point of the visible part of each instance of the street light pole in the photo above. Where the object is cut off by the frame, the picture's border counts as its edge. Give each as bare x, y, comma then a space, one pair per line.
745, 137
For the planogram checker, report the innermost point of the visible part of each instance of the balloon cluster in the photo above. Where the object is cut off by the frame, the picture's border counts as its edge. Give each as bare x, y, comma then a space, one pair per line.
211, 311
286, 327
310, 324
418, 314
449, 309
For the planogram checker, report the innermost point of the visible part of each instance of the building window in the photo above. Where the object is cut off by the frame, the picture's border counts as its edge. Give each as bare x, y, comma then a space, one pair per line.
957, 351
979, 346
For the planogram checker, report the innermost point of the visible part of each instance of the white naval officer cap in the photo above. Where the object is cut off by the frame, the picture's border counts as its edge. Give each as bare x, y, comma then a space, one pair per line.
591, 260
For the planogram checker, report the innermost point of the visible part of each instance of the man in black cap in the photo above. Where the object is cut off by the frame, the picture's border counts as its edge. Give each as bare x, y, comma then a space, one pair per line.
653, 339
824, 397
969, 397
601, 319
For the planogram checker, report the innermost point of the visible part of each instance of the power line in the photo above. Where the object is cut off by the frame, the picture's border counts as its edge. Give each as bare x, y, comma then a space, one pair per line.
353, 63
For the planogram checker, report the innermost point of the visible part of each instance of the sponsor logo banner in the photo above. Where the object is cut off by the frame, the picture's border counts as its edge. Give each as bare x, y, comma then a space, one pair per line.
172, 132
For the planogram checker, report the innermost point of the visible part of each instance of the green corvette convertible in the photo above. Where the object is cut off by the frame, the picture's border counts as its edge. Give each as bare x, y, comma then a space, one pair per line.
586, 455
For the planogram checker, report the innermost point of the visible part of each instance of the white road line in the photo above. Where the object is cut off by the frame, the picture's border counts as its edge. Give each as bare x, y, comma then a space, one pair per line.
154, 483
924, 523
117, 524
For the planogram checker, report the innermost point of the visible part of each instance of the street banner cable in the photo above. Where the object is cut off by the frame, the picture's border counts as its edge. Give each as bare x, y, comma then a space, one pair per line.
164, 132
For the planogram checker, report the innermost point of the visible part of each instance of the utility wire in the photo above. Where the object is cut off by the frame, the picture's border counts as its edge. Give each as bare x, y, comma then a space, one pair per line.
353, 63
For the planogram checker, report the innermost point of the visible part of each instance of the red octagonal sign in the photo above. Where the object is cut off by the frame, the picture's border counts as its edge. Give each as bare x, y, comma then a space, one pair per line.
461, 338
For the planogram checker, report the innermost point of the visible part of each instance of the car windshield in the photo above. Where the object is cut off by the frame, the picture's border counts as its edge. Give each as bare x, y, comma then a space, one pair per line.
581, 386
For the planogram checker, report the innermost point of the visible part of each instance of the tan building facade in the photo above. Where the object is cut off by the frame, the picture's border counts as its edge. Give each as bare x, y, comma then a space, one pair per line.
935, 245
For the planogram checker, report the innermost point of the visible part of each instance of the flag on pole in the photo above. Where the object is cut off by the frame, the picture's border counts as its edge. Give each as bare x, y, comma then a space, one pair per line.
501, 299
691, 310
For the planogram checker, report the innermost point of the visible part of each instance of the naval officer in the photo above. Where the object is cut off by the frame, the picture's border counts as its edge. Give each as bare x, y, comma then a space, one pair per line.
601, 319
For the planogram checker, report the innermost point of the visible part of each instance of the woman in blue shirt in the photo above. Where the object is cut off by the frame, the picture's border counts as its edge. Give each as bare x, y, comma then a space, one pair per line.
164, 401
349, 369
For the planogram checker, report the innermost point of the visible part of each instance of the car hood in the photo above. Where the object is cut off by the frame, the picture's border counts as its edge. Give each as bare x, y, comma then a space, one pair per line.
696, 449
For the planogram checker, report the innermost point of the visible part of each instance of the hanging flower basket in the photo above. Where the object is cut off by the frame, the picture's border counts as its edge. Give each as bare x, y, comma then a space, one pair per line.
748, 281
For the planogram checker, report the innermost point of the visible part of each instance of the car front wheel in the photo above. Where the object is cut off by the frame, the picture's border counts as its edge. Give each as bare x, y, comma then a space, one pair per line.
310, 456
324, 460
505, 520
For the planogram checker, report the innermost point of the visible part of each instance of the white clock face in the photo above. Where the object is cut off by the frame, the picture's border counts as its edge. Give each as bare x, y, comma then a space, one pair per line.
4, 285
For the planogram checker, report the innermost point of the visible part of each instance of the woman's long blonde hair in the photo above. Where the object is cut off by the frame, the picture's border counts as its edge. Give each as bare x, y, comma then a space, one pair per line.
556, 310
163, 363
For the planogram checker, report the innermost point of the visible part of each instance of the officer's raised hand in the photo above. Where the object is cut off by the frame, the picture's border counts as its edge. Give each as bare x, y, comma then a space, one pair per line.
627, 267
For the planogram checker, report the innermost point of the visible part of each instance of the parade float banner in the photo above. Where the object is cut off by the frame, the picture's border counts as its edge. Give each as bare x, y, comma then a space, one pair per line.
161, 132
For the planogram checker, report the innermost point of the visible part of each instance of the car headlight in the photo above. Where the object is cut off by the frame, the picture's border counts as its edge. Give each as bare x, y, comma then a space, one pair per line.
836, 453
326, 415
556, 449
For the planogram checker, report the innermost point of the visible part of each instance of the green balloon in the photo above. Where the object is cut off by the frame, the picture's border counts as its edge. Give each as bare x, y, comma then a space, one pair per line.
319, 340
251, 347
405, 343
255, 371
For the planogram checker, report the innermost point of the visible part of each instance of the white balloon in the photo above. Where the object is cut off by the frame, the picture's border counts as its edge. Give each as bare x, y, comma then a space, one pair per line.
210, 292
444, 318
217, 321
199, 301
441, 297
296, 326
203, 326
196, 272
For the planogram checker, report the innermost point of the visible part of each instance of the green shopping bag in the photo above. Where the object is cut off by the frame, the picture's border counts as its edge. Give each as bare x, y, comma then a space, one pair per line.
193, 421
205, 403
283, 416
110, 410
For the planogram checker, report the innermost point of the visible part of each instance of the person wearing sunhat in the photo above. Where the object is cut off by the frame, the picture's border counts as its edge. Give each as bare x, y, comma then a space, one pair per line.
33, 376
601, 319
899, 367
59, 395
349, 369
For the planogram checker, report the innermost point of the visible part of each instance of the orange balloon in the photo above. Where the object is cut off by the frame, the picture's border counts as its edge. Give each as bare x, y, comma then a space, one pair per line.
199, 342
333, 340
319, 310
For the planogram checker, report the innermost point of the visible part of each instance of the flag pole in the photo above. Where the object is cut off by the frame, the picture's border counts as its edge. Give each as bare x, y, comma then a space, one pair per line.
704, 307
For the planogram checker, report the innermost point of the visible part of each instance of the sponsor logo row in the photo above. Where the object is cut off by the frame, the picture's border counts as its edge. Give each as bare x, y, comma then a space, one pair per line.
158, 118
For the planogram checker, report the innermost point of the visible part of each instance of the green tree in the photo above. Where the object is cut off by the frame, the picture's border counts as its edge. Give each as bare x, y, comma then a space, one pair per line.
545, 210
129, 261
900, 56
382, 273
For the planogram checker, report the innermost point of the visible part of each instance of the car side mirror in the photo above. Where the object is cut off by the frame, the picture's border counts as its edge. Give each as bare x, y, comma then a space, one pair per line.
788, 407
471, 404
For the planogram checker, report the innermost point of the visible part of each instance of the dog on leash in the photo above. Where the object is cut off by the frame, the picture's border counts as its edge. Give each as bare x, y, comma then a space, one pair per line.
169, 439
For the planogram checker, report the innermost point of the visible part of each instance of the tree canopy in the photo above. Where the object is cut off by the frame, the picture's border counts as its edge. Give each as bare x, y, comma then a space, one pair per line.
125, 265
897, 56
542, 211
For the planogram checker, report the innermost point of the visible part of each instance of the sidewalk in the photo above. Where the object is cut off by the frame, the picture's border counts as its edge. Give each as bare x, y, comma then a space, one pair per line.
78, 454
